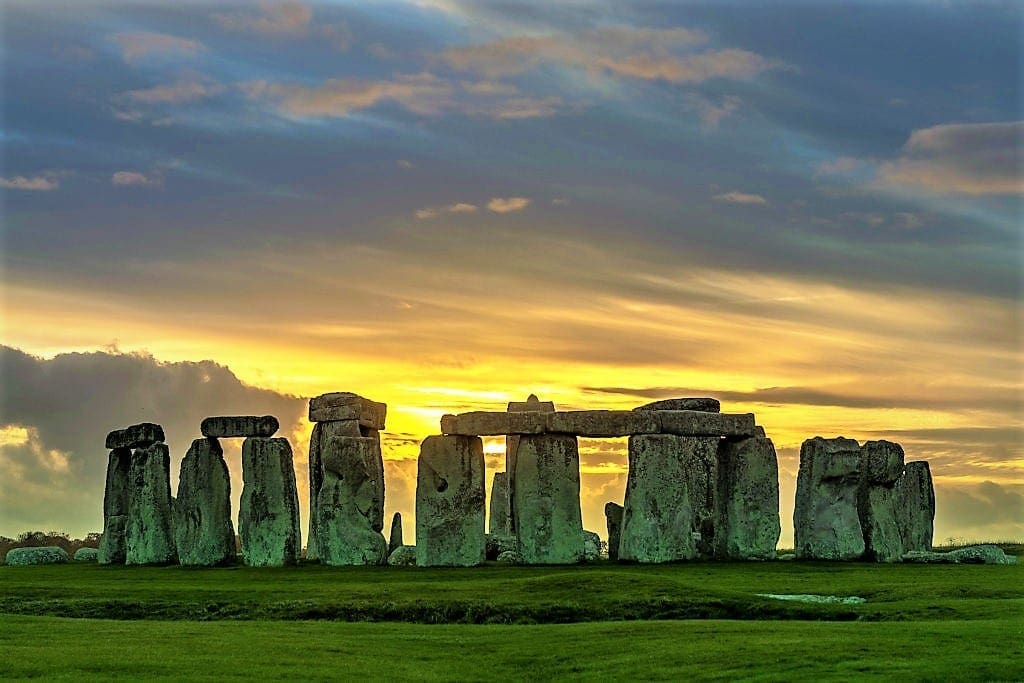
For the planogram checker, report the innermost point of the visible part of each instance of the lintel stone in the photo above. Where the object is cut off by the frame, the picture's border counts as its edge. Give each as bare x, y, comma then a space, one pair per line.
141, 435
344, 405
228, 426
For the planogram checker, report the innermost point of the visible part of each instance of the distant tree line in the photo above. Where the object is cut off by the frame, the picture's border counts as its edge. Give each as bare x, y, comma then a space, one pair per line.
36, 539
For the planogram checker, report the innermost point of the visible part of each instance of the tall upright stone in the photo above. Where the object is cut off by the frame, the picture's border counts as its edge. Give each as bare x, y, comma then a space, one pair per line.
395, 539
613, 520
499, 523
666, 476
149, 534
748, 500
881, 467
700, 470
915, 506
345, 504
546, 499
268, 517
450, 502
826, 522
116, 496
203, 531
532, 404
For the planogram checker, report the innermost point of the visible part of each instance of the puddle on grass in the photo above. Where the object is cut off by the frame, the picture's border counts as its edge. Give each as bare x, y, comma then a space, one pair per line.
827, 599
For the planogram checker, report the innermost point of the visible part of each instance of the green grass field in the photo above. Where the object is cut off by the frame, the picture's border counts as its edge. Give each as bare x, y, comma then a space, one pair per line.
700, 620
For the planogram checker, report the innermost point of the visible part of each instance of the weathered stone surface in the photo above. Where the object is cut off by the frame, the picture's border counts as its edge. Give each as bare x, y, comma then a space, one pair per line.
203, 532
658, 519
343, 405
546, 501
268, 517
149, 535
450, 502
700, 467
403, 556
591, 546
498, 522
510, 557
825, 520
492, 424
345, 504
705, 405
87, 554
496, 544
228, 426
915, 506
977, 554
141, 435
602, 423
881, 466
748, 500
395, 539
115, 507
699, 423
759, 431
531, 404
49, 554
613, 519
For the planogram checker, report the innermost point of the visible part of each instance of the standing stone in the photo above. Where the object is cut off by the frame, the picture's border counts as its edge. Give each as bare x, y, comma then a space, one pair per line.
881, 466
499, 524
345, 533
450, 502
546, 499
915, 506
149, 535
203, 532
825, 519
532, 404
322, 432
700, 471
591, 546
658, 518
613, 518
395, 539
748, 500
268, 518
115, 507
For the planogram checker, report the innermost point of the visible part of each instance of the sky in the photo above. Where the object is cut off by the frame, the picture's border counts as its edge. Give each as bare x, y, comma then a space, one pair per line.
809, 210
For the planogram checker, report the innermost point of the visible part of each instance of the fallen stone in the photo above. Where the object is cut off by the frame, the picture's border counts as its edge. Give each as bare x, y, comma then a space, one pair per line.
268, 517
450, 502
498, 522
23, 557
149, 534
141, 435
978, 554
915, 506
115, 507
510, 557
591, 546
395, 539
602, 423
704, 405
825, 519
87, 555
658, 518
343, 405
203, 532
613, 519
546, 503
403, 556
881, 466
818, 599
748, 500
698, 423
239, 425
497, 544
345, 504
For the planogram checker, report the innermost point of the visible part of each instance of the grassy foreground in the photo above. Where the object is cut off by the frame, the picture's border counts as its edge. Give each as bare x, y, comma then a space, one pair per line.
700, 620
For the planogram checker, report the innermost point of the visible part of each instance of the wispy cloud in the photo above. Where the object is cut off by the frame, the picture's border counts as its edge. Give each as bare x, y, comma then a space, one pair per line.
423, 93
508, 204
38, 183
137, 179
736, 197
435, 211
838, 165
189, 89
285, 19
140, 45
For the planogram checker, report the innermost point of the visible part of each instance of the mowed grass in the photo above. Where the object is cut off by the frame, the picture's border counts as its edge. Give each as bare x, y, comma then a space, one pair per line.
604, 621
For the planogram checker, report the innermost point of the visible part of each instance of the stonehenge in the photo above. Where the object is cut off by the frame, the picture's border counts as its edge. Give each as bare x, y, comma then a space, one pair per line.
239, 425
345, 505
747, 526
613, 519
203, 531
268, 517
149, 530
546, 499
395, 538
499, 522
915, 507
450, 502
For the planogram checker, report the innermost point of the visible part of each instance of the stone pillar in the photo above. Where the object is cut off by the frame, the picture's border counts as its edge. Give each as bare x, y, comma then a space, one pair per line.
666, 474
826, 522
546, 499
450, 502
499, 523
346, 503
532, 404
395, 539
881, 466
748, 500
268, 518
700, 461
149, 535
915, 506
203, 531
115, 507
613, 519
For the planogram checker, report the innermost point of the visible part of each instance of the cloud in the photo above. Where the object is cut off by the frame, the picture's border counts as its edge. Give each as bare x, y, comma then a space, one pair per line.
981, 512
180, 92
838, 165
508, 204
39, 183
434, 212
405, 164
735, 197
712, 114
139, 45
964, 158
136, 179
288, 19
423, 94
